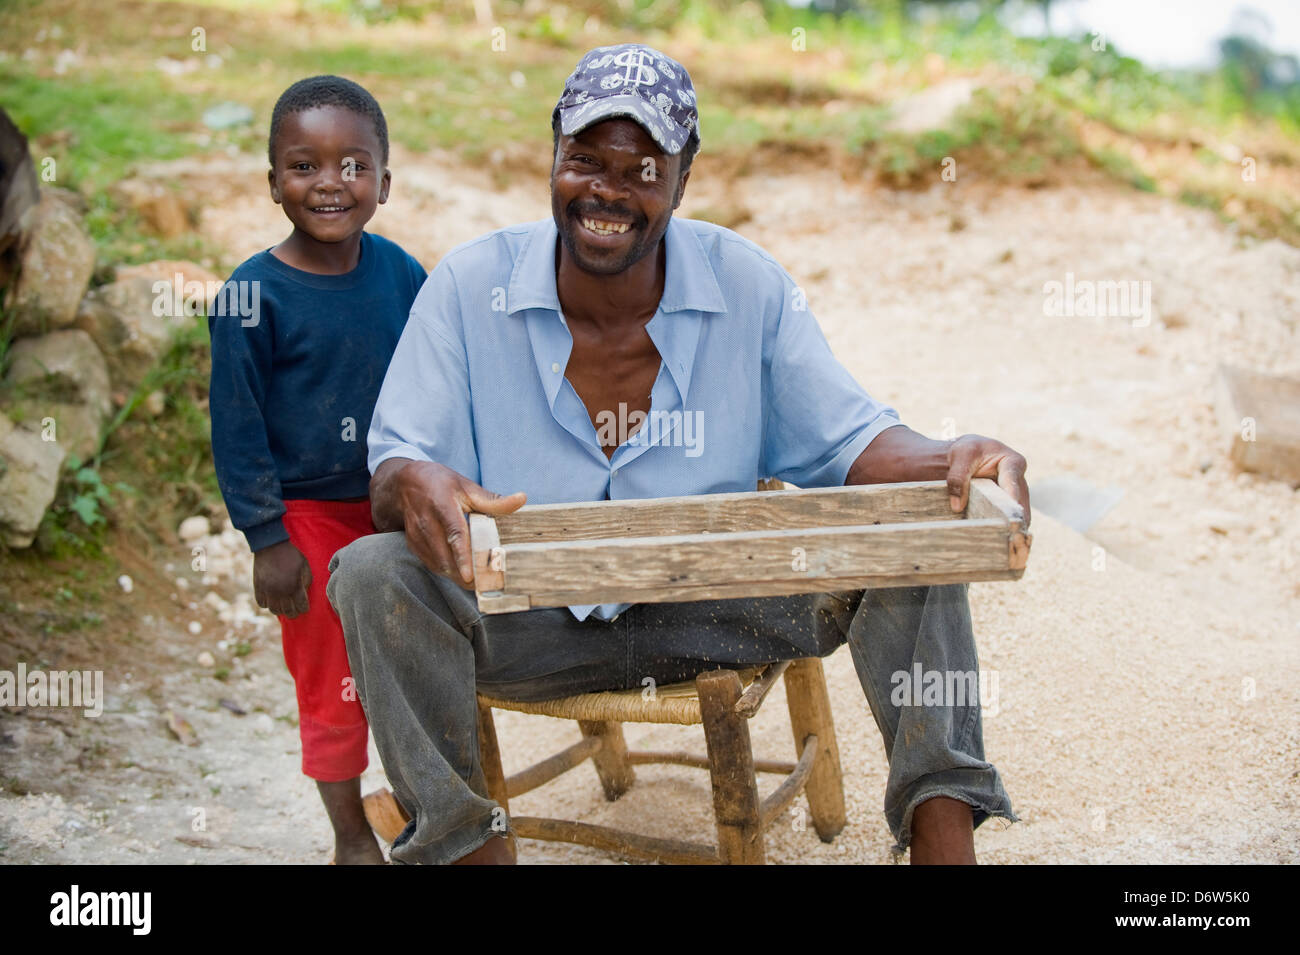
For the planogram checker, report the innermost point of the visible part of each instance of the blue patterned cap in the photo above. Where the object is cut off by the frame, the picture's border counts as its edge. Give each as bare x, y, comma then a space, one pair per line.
636, 82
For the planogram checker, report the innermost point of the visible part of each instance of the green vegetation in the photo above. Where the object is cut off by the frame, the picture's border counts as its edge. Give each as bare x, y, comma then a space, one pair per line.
769, 75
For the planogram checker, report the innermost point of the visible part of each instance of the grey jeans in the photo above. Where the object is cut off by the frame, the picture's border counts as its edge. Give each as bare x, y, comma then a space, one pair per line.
419, 648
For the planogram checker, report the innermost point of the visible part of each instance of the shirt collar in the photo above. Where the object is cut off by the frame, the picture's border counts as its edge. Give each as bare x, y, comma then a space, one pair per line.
689, 283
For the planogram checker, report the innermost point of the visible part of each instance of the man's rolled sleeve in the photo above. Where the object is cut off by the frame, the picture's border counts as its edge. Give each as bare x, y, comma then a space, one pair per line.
423, 411
819, 419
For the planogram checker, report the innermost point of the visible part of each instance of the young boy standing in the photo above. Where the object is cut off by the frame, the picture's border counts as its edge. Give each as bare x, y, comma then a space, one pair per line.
302, 334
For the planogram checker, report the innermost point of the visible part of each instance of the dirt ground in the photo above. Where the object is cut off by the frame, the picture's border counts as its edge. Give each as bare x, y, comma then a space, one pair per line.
1147, 676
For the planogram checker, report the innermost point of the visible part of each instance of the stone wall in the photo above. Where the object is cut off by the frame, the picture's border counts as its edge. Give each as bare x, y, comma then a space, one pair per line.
71, 353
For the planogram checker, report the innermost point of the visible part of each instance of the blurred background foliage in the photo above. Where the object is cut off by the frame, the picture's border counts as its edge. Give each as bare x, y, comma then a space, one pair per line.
104, 85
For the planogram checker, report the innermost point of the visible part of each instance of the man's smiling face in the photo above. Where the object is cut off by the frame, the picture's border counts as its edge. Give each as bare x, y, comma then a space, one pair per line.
613, 193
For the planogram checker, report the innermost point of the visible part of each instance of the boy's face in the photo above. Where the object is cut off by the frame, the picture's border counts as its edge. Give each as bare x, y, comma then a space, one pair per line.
328, 174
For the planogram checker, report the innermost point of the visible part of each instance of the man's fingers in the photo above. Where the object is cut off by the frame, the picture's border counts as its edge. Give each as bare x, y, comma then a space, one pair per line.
476, 499
1011, 478
429, 542
961, 463
487, 502
457, 530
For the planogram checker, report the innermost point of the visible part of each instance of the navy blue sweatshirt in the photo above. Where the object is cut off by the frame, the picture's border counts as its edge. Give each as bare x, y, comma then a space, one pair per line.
297, 361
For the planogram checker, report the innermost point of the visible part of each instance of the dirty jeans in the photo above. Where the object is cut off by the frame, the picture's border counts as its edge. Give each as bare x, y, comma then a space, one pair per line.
419, 649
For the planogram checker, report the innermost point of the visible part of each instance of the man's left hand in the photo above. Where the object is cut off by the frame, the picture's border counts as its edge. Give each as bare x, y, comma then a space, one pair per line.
974, 456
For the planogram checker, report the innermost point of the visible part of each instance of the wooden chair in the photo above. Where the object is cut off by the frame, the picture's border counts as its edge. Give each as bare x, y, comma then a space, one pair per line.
723, 701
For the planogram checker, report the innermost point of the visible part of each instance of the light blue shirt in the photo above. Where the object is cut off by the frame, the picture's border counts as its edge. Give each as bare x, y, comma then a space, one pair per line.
747, 386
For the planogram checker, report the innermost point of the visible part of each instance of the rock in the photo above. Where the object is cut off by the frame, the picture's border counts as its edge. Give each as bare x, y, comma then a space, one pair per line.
227, 115
206, 659
29, 476
1260, 416
193, 286
132, 323
154, 404
55, 263
126, 583
61, 376
192, 528
155, 203
215, 601
195, 627
181, 729
74, 200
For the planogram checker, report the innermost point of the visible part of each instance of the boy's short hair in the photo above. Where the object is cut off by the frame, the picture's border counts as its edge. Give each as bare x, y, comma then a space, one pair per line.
327, 90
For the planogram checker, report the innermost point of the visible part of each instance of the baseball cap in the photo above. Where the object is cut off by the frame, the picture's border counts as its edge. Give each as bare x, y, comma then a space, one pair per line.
633, 81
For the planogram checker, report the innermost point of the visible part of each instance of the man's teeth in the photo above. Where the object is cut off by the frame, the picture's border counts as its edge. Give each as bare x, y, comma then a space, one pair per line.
605, 228
330, 208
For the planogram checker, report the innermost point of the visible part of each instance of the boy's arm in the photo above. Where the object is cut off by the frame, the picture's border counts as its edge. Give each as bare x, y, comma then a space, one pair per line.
241, 451
242, 345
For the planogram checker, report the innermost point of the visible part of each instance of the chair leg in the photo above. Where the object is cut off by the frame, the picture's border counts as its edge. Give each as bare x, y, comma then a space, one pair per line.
489, 754
615, 772
490, 757
731, 766
810, 712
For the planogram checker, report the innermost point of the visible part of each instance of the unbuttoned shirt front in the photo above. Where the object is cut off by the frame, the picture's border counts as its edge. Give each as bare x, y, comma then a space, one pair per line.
747, 385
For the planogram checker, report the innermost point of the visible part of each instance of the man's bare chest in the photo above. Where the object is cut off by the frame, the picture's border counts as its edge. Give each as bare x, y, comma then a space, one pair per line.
613, 375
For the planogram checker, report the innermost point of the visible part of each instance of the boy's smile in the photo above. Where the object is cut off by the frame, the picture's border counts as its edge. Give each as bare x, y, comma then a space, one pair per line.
329, 178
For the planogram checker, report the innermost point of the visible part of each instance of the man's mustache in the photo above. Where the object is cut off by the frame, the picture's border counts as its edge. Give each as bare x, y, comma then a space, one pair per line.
604, 212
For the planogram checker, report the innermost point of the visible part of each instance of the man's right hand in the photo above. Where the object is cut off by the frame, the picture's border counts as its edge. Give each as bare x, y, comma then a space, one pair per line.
432, 500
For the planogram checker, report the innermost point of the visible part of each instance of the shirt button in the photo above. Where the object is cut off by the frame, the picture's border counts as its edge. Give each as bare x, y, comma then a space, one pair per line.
615, 472
555, 366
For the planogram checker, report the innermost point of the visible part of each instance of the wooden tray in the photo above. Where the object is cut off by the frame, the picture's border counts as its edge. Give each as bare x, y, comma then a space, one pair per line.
750, 544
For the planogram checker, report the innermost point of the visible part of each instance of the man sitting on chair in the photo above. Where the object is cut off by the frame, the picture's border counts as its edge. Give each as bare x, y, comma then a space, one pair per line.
522, 349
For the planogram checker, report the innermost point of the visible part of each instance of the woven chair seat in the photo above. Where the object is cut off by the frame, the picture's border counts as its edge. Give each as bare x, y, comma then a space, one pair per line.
674, 703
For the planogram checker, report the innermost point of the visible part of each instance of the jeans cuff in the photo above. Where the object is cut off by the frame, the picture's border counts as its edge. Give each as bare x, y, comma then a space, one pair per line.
986, 798
455, 845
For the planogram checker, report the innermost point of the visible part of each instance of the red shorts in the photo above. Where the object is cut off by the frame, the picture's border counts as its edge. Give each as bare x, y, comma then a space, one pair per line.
330, 719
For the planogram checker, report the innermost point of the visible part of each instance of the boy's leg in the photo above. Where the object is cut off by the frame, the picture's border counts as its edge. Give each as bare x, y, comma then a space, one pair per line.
331, 722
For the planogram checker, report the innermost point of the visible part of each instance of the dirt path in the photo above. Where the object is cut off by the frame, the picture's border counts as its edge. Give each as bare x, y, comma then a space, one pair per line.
1147, 675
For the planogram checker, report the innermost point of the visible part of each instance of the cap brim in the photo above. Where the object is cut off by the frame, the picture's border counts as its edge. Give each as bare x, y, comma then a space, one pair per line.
668, 134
